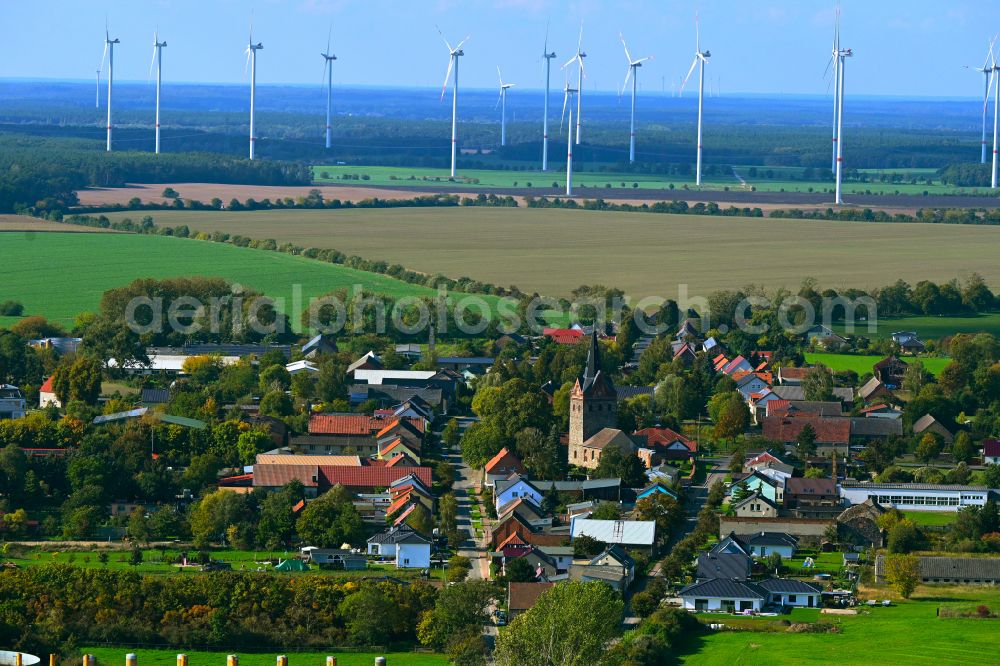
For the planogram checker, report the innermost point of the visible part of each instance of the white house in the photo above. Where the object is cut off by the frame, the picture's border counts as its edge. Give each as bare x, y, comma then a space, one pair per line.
915, 496
751, 384
409, 548
298, 367
47, 395
763, 544
991, 451
12, 402
734, 596
514, 488
368, 376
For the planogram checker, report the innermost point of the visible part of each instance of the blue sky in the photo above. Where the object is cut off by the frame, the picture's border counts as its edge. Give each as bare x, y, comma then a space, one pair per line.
902, 47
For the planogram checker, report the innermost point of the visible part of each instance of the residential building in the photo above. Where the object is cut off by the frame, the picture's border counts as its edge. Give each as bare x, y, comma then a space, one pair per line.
12, 402
334, 558
791, 592
909, 342
667, 443
408, 548
763, 544
734, 596
523, 596
767, 460
874, 390
633, 534
613, 566
730, 558
792, 376
812, 498
927, 423
653, 489
299, 367
47, 395
318, 479
756, 506
501, 466
769, 487
320, 344
515, 487
915, 496
991, 451
824, 336
798, 393
890, 371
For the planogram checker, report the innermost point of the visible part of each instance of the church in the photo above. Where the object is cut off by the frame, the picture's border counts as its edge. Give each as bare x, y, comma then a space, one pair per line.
593, 414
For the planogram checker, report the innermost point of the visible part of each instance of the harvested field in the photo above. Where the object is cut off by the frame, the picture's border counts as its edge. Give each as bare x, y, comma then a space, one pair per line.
553, 251
14, 223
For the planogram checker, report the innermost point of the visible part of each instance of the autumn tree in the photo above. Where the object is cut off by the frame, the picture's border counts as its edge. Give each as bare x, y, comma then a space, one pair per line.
902, 572
330, 520
818, 384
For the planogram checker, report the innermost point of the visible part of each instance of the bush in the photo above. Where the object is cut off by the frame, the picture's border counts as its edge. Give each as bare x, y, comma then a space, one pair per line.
11, 309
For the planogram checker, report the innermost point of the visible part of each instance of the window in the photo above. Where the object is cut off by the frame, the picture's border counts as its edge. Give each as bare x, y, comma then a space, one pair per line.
792, 598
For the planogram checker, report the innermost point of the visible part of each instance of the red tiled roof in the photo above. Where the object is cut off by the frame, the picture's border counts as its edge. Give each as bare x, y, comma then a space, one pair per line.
804, 486
401, 517
523, 596
875, 408
371, 477
511, 461
47, 386
397, 504
795, 373
778, 406
401, 460
275, 476
352, 424
301, 504
829, 430
513, 540
665, 437
563, 336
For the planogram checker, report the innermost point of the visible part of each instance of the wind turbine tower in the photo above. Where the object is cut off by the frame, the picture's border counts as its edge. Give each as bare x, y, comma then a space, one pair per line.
580, 73
252, 62
835, 62
633, 65
987, 70
453, 55
502, 101
842, 56
158, 61
568, 100
328, 59
545, 119
109, 52
700, 58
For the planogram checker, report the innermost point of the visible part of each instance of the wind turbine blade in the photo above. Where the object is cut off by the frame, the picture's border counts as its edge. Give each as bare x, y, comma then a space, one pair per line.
989, 53
563, 116
105, 56
499, 97
570, 62
697, 32
444, 40
246, 67
628, 75
447, 74
829, 66
463, 42
545, 49
694, 63
152, 61
627, 54
642, 60
500, 75
329, 35
579, 42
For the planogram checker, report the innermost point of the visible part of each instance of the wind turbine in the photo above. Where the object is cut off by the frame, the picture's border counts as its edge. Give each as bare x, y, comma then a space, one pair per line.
987, 70
453, 56
700, 58
328, 59
631, 73
252, 63
545, 120
996, 117
842, 56
502, 101
568, 99
97, 95
158, 61
835, 63
578, 59
109, 53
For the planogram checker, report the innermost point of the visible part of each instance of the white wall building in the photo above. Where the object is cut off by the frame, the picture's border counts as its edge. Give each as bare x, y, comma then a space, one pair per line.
915, 496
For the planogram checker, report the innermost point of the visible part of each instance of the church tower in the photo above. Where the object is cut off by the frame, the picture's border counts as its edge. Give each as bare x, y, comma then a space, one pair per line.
593, 402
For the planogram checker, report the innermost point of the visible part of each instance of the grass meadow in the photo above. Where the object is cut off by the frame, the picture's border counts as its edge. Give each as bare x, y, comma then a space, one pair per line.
863, 364
554, 251
908, 632
109, 656
59, 275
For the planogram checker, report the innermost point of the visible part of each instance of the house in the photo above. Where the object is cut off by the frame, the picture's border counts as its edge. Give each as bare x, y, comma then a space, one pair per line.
515, 487
154, 396
755, 506
991, 451
667, 443
915, 496
763, 544
527, 511
723, 594
767, 460
501, 466
320, 344
798, 393
361, 434
634, 534
791, 592
411, 352
563, 336
824, 336
477, 364
730, 558
380, 376
12, 402
389, 449
686, 354
663, 474
804, 408
369, 361
908, 342
928, 423
593, 447
752, 383
812, 498
514, 547
874, 389
523, 596
655, 488
47, 395
613, 566
334, 558
792, 376
769, 487
299, 367
406, 546
882, 411
688, 329
829, 430
738, 364
951, 570
890, 371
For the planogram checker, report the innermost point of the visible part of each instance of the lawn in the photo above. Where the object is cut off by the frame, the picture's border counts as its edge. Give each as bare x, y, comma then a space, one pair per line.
825, 563
863, 364
931, 518
554, 251
155, 657
906, 633
931, 328
59, 275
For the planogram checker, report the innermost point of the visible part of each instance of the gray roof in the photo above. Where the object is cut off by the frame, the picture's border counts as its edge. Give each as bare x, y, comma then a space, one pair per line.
909, 486
626, 392
470, 360
866, 427
225, 349
798, 393
724, 588
631, 532
972, 568
788, 586
401, 534
731, 566
770, 539
155, 395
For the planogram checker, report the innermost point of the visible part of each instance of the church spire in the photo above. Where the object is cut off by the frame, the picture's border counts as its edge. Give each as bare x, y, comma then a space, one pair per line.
593, 358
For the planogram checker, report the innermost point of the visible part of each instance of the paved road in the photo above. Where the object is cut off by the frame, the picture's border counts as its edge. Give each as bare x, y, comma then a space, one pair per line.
473, 548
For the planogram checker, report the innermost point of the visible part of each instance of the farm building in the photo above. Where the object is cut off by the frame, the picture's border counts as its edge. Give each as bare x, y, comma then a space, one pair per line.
952, 570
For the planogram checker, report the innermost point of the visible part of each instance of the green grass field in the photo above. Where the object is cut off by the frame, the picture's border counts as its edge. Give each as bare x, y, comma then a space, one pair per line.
59, 275
863, 364
154, 657
931, 518
543, 182
928, 327
554, 251
906, 633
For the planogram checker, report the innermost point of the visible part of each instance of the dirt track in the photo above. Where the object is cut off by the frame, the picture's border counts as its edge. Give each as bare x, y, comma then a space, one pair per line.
205, 192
